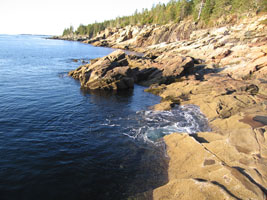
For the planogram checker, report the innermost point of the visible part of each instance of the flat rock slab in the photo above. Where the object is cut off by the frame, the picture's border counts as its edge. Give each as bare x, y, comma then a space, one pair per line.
196, 173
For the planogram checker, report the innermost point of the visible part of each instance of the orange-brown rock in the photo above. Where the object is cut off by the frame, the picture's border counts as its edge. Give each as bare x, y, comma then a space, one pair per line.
233, 156
119, 71
197, 172
223, 71
108, 73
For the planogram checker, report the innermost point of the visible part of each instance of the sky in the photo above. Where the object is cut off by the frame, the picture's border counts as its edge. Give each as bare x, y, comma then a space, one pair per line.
50, 17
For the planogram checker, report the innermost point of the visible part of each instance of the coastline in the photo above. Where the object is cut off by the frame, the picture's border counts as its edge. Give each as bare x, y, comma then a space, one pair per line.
223, 71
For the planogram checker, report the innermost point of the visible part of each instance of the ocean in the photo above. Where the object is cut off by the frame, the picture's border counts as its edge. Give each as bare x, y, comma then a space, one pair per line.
58, 141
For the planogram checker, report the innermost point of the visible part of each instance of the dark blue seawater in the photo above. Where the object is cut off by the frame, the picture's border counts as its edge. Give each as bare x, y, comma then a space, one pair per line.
60, 142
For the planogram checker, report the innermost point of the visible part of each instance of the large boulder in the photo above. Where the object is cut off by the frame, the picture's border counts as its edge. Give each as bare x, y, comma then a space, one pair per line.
108, 73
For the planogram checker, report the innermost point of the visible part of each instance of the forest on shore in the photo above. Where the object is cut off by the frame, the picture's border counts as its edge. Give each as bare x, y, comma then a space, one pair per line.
174, 11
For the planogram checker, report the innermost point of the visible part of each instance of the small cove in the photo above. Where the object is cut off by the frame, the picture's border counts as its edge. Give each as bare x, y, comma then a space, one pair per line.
60, 142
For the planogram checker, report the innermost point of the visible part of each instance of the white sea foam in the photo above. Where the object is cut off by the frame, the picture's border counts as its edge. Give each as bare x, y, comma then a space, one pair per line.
182, 119
150, 126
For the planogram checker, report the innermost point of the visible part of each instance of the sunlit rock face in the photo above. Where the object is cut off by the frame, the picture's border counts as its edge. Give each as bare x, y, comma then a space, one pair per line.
108, 73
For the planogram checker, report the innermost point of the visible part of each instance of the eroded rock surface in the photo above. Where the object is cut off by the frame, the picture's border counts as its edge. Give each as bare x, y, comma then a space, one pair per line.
108, 73
197, 172
223, 71
119, 71
237, 111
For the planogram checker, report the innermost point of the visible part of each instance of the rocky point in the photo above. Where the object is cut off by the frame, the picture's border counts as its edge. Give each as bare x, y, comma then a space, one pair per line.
223, 70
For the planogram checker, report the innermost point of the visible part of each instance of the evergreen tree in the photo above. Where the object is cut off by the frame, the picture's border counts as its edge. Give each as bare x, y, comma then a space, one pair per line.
208, 10
174, 11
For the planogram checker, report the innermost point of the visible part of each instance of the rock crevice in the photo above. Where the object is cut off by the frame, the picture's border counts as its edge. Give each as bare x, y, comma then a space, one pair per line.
223, 71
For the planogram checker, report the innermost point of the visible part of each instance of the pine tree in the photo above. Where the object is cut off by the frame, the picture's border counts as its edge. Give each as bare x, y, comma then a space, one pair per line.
174, 11
208, 10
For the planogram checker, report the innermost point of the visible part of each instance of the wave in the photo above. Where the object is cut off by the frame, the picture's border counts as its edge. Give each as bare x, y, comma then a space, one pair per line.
151, 126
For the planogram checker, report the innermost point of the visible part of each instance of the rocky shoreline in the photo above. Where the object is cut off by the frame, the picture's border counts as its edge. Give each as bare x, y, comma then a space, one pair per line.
223, 71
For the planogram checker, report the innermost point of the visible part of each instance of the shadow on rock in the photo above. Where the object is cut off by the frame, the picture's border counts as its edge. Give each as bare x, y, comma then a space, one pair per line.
199, 71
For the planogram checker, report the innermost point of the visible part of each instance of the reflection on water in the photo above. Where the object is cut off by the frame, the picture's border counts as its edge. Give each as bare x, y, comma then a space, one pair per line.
107, 94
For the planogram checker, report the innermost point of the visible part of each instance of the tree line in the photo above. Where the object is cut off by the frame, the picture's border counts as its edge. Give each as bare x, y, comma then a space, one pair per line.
174, 11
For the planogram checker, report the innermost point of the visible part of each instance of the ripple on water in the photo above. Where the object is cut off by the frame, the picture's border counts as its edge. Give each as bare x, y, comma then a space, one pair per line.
151, 126
57, 142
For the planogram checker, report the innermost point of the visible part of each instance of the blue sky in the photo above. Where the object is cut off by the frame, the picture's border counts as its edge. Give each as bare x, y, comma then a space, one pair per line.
52, 16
